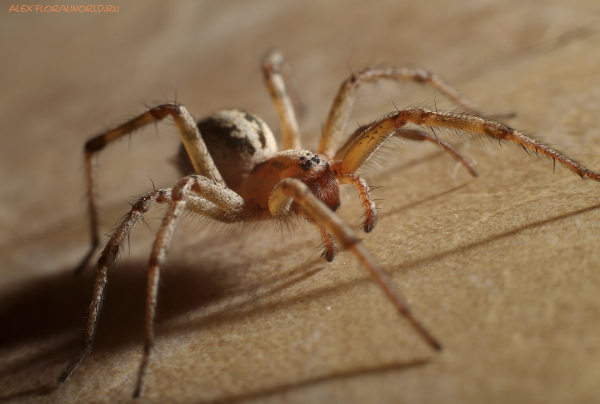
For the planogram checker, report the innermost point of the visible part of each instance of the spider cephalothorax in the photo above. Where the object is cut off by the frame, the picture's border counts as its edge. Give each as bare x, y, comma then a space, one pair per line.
302, 165
232, 172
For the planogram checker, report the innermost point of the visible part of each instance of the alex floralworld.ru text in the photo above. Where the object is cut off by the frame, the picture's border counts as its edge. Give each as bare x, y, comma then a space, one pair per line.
55, 8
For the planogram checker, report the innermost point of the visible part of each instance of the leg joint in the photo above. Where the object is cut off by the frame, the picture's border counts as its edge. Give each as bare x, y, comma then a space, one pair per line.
161, 111
95, 144
423, 76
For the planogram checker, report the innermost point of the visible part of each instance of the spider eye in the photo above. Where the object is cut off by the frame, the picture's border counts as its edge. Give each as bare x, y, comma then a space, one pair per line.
307, 165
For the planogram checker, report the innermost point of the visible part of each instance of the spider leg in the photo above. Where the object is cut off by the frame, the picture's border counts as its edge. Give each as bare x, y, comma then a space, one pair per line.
494, 130
106, 260
235, 209
365, 197
364, 146
411, 135
292, 190
285, 110
377, 133
196, 149
208, 198
424, 136
328, 243
363, 188
344, 100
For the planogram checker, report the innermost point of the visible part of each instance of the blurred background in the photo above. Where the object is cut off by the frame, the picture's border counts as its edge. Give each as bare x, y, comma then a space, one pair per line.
503, 268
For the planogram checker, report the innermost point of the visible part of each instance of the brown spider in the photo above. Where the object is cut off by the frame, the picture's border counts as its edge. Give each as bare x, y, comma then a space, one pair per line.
234, 173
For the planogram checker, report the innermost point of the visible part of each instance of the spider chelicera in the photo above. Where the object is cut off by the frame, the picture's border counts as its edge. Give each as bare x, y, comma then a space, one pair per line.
232, 172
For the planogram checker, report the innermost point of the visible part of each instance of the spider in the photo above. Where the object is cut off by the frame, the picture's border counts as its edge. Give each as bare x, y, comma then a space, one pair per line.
232, 172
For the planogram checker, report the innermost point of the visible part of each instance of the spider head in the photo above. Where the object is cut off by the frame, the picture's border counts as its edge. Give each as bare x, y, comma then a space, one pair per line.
302, 165
299, 164
308, 161
314, 171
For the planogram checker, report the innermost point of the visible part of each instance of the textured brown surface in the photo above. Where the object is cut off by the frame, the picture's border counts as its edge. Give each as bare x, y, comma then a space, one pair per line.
503, 268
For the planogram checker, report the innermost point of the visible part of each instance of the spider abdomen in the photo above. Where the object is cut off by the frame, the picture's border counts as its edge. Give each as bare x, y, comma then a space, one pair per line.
236, 140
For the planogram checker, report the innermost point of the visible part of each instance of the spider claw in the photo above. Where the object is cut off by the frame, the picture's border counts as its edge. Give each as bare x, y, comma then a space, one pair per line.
328, 251
369, 225
328, 254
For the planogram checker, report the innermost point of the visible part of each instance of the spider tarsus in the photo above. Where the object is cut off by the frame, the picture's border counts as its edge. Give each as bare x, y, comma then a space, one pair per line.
430, 339
469, 167
65, 376
329, 255
87, 349
329, 251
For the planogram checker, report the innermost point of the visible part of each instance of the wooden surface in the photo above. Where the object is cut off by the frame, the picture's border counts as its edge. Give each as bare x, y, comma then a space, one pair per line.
502, 268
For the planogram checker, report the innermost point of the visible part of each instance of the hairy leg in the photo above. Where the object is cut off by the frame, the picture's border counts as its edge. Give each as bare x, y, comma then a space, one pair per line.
199, 156
207, 198
424, 136
234, 209
409, 134
372, 138
107, 259
363, 188
285, 110
344, 100
328, 243
292, 190
365, 197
